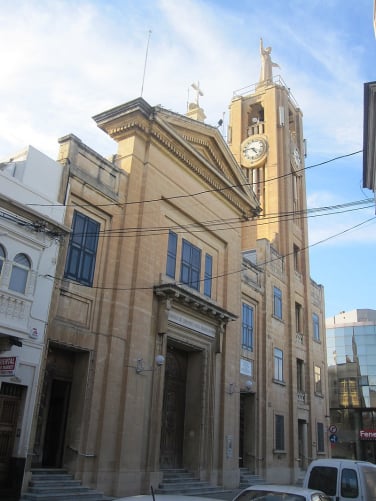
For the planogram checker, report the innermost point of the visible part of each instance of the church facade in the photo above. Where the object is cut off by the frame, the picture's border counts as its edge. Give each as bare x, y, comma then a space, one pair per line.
185, 330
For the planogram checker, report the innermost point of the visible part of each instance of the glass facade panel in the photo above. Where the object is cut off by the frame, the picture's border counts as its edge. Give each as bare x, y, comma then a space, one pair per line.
351, 351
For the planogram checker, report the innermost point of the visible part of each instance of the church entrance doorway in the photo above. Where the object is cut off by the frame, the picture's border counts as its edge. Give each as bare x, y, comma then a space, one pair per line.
182, 437
173, 413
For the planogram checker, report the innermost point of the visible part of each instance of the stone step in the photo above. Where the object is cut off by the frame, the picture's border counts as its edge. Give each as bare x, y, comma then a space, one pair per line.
181, 481
59, 485
87, 496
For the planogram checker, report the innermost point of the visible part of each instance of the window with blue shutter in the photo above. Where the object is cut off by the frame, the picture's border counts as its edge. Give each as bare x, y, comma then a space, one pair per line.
82, 249
171, 254
190, 265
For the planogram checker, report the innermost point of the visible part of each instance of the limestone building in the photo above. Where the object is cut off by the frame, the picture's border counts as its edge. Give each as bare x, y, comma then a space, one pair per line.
185, 331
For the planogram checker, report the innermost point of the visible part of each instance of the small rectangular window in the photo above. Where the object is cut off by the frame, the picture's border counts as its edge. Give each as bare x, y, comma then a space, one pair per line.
208, 275
300, 380
277, 302
278, 365
318, 383
320, 438
82, 249
171, 254
298, 318
247, 327
279, 432
296, 258
316, 327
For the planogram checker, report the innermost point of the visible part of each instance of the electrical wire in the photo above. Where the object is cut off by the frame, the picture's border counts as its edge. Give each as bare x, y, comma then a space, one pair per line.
259, 265
236, 223
214, 190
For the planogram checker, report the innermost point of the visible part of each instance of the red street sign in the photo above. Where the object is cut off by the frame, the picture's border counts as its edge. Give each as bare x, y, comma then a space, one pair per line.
367, 434
7, 366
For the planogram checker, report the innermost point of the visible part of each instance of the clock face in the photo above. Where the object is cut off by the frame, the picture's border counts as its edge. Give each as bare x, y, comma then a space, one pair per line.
253, 149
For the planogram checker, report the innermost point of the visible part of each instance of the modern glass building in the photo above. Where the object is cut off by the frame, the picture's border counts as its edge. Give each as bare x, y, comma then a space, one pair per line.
351, 351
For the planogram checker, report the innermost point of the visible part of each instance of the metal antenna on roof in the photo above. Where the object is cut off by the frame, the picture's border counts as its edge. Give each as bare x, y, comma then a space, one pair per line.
146, 58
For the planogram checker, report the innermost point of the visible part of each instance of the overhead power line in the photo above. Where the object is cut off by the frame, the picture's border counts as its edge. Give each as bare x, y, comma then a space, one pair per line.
260, 265
188, 195
236, 223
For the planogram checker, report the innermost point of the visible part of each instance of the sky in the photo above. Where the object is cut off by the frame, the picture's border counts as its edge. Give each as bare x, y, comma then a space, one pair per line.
64, 61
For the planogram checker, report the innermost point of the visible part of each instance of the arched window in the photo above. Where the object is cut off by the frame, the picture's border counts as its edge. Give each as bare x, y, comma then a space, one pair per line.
20, 271
2, 258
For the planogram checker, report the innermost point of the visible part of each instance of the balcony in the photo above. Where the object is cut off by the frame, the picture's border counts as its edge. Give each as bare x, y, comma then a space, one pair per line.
300, 338
256, 128
301, 397
14, 310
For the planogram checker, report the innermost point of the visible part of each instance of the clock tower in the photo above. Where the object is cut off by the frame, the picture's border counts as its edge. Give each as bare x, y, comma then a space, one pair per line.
266, 137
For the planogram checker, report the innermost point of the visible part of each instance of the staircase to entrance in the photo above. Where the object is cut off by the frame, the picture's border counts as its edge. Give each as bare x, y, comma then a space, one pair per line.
58, 485
181, 481
247, 478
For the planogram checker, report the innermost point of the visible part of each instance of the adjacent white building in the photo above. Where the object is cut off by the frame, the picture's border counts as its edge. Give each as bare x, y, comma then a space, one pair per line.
31, 230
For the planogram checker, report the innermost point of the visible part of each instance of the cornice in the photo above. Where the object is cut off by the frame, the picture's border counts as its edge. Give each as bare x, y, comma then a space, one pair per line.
137, 117
189, 299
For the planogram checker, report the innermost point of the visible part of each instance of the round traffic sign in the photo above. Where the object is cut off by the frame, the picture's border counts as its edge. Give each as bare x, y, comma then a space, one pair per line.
333, 438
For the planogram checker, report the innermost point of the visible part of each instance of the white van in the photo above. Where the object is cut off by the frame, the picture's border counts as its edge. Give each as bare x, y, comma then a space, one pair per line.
342, 479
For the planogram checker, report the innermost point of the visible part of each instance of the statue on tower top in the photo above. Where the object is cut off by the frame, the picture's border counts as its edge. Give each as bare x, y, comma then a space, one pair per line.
266, 74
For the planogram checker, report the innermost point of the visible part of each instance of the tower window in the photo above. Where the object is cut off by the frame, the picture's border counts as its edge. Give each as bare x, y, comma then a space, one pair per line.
316, 327
247, 327
300, 383
318, 382
298, 318
277, 302
297, 259
278, 365
320, 438
279, 432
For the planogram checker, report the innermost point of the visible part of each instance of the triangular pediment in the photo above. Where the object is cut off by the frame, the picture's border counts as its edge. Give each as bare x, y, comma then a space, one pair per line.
199, 146
209, 146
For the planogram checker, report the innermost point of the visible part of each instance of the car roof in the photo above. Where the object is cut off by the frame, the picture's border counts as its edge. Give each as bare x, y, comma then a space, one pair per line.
335, 461
289, 489
165, 497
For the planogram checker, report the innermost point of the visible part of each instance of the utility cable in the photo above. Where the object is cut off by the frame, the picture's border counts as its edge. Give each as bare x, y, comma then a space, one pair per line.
258, 265
215, 190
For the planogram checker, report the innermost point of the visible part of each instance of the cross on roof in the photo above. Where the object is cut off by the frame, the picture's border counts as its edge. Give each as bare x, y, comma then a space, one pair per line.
198, 91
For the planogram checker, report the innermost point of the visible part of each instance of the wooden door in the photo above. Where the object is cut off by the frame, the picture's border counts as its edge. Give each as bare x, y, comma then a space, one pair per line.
10, 399
53, 446
173, 413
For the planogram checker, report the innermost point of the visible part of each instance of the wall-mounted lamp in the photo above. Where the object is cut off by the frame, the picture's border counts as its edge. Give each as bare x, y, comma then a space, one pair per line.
140, 367
232, 388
